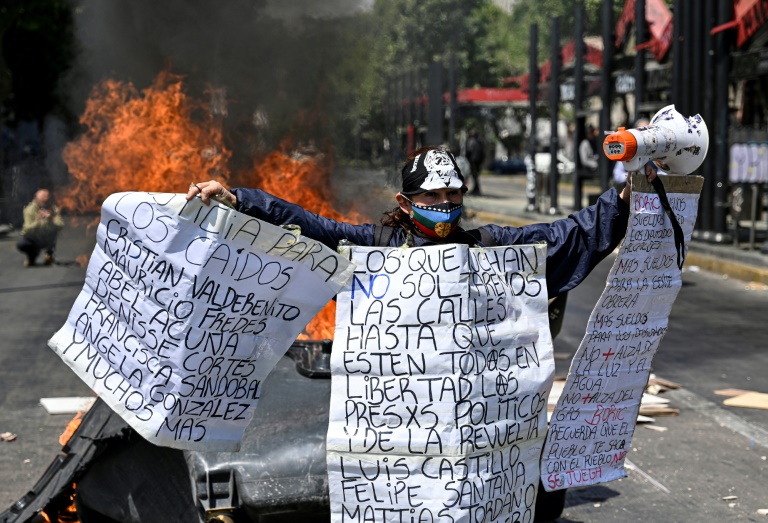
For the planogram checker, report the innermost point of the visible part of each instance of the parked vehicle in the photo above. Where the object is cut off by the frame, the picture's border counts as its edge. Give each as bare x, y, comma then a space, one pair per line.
508, 166
280, 474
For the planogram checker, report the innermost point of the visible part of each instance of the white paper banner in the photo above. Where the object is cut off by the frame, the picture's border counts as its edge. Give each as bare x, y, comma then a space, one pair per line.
442, 364
592, 425
185, 310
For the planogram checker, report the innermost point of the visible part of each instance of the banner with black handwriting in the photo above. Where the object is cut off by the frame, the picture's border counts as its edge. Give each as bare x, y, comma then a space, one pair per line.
592, 425
442, 363
185, 310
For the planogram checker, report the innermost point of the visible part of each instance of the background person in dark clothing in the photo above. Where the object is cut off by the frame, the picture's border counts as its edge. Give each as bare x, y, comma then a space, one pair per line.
476, 156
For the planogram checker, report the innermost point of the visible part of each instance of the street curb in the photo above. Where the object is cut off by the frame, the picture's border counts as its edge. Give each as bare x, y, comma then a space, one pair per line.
731, 268
503, 219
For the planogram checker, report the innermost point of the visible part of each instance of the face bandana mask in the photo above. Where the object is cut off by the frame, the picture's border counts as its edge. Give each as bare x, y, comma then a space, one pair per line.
437, 221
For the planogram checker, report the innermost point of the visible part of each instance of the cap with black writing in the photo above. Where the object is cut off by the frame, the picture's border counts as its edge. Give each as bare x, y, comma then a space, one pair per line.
431, 170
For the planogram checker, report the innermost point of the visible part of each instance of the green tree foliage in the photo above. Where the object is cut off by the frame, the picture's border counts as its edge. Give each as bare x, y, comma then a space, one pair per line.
401, 36
485, 63
488, 44
411, 33
541, 12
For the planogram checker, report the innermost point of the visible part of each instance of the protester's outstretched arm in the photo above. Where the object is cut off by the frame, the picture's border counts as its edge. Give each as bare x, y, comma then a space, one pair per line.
576, 244
264, 206
212, 190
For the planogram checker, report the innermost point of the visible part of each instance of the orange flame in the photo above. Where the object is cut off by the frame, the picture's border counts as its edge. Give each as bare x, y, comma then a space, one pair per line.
63, 510
148, 141
72, 426
303, 178
160, 139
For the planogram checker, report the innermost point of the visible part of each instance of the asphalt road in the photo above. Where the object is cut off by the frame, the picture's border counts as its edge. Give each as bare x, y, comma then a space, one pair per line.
709, 452
34, 303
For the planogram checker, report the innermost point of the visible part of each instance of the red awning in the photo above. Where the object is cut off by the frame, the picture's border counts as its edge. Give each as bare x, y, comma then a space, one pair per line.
490, 95
592, 55
751, 15
660, 26
481, 95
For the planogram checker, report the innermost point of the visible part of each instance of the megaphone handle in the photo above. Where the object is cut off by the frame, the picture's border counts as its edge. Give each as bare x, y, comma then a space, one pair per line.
678, 231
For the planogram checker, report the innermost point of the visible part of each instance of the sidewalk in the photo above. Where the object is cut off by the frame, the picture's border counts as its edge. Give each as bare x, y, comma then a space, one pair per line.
504, 202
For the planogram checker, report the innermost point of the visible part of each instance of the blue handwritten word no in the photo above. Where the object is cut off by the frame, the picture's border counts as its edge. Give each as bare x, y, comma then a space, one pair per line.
371, 283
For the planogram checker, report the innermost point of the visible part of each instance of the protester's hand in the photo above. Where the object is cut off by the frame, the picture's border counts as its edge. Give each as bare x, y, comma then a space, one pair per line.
650, 174
212, 189
44, 214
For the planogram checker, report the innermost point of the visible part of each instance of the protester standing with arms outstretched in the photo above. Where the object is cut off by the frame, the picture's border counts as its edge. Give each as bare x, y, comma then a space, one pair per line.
429, 206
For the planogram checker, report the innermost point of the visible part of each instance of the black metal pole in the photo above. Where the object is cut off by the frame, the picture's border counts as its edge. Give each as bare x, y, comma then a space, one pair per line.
393, 108
398, 113
676, 50
422, 73
706, 202
578, 102
606, 87
533, 93
722, 158
554, 106
697, 58
387, 154
413, 112
640, 38
416, 107
687, 44
435, 113
404, 105
453, 105
413, 92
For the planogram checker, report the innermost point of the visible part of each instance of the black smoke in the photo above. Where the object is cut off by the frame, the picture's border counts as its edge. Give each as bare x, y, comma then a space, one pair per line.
270, 58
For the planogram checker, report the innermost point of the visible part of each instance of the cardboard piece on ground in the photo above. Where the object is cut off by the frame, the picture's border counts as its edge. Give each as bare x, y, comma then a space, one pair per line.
751, 400
67, 405
658, 410
661, 382
732, 392
645, 419
654, 389
650, 399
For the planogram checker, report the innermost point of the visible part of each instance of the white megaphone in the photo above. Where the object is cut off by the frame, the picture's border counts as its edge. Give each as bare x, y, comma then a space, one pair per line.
675, 144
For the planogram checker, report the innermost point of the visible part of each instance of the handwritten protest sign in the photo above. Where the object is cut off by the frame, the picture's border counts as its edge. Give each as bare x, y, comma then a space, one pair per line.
592, 425
185, 310
442, 363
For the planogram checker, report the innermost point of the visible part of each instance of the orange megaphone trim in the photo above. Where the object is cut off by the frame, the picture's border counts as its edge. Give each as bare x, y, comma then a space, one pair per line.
620, 146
